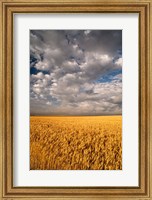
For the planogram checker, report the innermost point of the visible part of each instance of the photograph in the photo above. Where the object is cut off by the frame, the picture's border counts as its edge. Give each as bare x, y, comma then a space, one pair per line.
75, 99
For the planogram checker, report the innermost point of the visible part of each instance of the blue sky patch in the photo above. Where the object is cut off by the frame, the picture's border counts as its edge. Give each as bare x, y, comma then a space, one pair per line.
109, 76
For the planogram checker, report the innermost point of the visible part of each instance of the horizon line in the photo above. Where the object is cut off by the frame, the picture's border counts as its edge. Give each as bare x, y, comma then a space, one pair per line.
73, 115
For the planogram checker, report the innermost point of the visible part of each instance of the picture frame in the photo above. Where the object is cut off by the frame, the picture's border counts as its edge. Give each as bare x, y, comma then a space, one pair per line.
8, 9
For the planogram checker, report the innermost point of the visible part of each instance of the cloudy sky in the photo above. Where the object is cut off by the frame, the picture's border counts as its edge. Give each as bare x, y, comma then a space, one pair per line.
75, 72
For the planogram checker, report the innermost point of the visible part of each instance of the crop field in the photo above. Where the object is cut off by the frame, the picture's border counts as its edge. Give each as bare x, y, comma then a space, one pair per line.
76, 143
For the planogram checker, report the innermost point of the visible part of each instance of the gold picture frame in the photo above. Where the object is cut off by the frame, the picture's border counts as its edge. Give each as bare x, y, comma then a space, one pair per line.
7, 9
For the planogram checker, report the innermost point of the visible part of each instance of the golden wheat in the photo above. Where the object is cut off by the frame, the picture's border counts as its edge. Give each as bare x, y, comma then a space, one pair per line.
76, 143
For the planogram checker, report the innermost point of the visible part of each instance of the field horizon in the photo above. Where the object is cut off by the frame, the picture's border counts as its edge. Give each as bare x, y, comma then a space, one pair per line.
74, 115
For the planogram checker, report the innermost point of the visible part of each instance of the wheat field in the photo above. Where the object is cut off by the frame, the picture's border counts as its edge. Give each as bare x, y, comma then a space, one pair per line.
76, 143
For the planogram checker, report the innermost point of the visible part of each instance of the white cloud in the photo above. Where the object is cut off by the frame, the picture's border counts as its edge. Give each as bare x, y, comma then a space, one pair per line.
39, 75
42, 65
37, 90
118, 62
87, 32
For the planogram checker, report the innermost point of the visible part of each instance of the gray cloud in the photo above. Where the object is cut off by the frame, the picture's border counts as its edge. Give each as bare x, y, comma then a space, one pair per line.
75, 72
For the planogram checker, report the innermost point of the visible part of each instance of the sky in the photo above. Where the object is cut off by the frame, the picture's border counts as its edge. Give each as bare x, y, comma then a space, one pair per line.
75, 72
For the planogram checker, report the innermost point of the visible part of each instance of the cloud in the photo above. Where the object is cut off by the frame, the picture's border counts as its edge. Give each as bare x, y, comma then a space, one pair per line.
76, 72
118, 62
